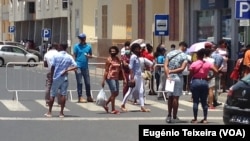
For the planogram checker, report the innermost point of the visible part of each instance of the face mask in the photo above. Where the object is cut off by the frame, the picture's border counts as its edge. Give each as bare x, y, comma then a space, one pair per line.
127, 52
113, 54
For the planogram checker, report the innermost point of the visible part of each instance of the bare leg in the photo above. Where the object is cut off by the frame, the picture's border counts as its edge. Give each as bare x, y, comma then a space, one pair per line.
170, 105
175, 106
50, 103
62, 101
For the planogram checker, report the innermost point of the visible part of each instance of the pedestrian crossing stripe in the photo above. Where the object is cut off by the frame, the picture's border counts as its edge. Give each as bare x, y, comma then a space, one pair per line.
190, 104
12, 105
159, 105
18, 106
55, 107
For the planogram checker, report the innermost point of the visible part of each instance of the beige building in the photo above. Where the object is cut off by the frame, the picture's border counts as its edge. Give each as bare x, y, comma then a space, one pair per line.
105, 22
4, 21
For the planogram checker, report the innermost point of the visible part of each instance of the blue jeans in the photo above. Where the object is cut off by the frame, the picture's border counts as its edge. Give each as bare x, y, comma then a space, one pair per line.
199, 89
81, 72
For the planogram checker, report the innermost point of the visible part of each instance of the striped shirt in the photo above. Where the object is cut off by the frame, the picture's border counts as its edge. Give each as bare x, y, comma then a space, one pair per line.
62, 61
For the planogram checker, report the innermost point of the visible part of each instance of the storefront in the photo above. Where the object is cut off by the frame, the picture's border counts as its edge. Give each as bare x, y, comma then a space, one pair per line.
213, 20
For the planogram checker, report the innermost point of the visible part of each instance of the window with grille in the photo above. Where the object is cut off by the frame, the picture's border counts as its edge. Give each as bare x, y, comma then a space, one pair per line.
31, 6
104, 21
64, 4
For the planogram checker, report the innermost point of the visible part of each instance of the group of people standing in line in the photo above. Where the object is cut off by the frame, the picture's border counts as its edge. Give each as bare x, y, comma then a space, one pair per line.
136, 58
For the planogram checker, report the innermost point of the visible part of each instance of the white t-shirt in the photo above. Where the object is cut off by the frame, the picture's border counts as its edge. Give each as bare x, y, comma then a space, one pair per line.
223, 53
185, 71
145, 62
49, 56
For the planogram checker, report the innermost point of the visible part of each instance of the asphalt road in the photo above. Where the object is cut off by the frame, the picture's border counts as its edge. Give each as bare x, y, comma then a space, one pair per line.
23, 120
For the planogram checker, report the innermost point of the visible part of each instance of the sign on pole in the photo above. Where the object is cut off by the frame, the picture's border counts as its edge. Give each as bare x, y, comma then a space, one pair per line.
161, 25
46, 33
12, 29
242, 9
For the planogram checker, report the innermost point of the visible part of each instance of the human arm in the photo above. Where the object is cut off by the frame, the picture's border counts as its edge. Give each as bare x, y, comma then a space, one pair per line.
106, 70
180, 69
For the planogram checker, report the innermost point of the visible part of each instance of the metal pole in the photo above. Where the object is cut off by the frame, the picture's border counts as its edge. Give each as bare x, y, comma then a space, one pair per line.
69, 25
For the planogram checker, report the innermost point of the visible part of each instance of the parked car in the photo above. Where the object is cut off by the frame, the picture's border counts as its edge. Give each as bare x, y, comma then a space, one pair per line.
11, 53
237, 106
34, 51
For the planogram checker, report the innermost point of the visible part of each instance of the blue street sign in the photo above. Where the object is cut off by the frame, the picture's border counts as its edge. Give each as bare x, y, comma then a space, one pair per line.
46, 33
12, 29
242, 9
161, 25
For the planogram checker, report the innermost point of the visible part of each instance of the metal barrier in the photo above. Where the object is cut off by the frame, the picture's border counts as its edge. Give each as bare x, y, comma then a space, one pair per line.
31, 77
162, 77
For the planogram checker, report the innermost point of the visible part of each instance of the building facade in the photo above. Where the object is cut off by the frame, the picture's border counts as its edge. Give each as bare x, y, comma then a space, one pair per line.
4, 21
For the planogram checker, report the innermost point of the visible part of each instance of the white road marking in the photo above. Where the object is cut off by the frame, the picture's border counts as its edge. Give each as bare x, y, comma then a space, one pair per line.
12, 105
190, 104
55, 107
128, 105
100, 118
159, 105
91, 106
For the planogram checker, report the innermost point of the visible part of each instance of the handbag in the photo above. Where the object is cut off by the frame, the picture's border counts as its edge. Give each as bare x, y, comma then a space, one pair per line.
131, 84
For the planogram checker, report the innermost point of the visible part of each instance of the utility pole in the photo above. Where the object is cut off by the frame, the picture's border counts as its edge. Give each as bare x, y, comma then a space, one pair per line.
69, 41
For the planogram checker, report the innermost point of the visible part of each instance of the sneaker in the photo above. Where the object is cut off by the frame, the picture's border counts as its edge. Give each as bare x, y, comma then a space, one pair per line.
90, 99
168, 119
82, 100
176, 120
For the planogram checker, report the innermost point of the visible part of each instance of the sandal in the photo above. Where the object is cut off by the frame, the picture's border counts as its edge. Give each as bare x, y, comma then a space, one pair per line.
106, 108
203, 121
115, 112
124, 109
193, 121
145, 110
47, 115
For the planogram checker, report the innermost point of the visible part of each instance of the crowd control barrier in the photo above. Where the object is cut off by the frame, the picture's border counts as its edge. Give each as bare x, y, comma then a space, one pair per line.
31, 77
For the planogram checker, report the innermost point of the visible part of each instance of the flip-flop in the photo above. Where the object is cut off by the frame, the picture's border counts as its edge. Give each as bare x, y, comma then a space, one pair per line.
106, 108
48, 115
61, 116
203, 121
193, 121
124, 109
115, 112
145, 110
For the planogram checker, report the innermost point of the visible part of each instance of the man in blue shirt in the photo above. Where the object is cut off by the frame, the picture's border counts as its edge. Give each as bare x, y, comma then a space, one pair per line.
218, 60
61, 63
82, 53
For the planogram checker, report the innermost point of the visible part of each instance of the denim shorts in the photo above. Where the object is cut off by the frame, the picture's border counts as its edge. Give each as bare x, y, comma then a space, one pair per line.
113, 85
59, 85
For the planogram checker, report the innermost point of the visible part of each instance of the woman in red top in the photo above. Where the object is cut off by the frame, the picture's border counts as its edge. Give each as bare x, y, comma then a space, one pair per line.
111, 75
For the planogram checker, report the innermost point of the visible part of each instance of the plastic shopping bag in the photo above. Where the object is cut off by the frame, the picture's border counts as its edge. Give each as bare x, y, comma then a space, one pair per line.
101, 98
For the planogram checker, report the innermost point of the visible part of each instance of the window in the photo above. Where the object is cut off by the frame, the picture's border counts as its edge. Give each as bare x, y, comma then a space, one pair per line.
104, 21
31, 6
6, 49
18, 50
64, 4
129, 21
205, 25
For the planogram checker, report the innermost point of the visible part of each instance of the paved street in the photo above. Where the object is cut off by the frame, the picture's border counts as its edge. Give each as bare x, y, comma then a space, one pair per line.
24, 120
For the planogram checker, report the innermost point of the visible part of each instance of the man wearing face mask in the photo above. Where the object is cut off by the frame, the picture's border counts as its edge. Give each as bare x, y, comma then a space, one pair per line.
82, 53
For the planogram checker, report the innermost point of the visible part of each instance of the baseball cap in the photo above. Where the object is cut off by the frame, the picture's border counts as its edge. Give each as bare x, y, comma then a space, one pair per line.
82, 35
